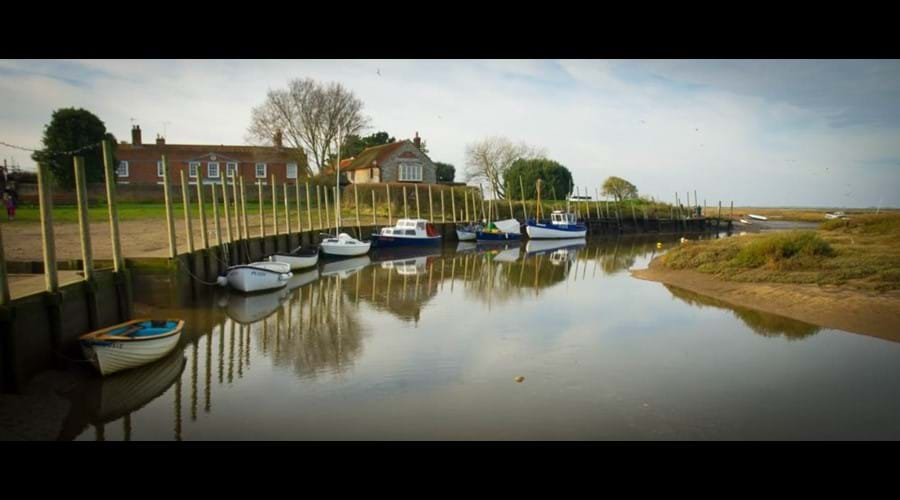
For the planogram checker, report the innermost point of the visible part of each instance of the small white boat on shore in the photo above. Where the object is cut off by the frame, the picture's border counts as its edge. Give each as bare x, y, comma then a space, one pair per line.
300, 258
257, 276
757, 217
130, 344
344, 245
836, 215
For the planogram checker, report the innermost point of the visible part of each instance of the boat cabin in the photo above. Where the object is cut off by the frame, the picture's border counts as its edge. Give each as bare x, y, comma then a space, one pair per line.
558, 217
411, 228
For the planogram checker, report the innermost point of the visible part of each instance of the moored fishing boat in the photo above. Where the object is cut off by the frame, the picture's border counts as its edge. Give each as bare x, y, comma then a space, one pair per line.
407, 232
298, 259
561, 225
130, 344
501, 230
467, 232
257, 276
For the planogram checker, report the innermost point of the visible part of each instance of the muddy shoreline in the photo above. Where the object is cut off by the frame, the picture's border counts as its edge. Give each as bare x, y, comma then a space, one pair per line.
872, 314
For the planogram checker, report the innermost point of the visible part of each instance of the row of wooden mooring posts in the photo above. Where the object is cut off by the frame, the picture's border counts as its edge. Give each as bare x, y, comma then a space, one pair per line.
40, 331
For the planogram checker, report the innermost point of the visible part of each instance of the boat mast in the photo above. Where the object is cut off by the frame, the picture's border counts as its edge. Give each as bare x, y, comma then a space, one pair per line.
337, 190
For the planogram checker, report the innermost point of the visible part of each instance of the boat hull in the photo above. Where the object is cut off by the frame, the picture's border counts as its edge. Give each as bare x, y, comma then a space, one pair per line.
465, 235
111, 356
343, 250
259, 276
296, 262
380, 241
489, 237
552, 231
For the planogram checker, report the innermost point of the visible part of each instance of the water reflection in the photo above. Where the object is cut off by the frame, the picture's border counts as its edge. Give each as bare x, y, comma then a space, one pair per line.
762, 323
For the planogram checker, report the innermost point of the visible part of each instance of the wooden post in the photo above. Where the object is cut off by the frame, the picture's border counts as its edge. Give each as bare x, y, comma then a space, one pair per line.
227, 213
244, 207
275, 211
443, 212
405, 213
719, 214
46, 211
597, 204
170, 218
319, 205
112, 207
216, 223
204, 236
374, 220
327, 208
732, 210
587, 207
262, 213
509, 201
4, 281
430, 205
387, 187
481, 192
186, 201
453, 203
234, 201
299, 213
83, 224
522, 193
356, 202
287, 215
308, 208
465, 202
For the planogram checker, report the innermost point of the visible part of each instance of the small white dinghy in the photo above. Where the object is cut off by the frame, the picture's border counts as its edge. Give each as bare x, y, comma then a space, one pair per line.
344, 246
130, 344
300, 258
757, 217
257, 276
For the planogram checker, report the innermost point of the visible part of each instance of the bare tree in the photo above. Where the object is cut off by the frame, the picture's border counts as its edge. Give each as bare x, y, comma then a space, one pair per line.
489, 158
310, 115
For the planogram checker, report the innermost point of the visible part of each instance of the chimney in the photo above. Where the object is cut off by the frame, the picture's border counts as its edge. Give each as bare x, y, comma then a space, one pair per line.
160, 141
417, 141
136, 135
277, 139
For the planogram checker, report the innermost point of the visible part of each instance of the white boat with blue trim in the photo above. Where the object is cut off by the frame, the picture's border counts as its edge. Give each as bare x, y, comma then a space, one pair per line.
561, 225
257, 276
130, 344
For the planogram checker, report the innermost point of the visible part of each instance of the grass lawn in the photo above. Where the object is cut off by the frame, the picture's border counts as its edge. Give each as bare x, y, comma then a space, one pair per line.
862, 252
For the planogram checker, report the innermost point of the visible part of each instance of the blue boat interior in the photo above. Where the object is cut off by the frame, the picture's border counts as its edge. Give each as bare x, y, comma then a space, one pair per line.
144, 329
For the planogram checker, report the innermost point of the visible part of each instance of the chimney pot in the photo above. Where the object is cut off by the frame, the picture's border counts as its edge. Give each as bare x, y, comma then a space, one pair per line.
160, 141
417, 141
136, 135
277, 139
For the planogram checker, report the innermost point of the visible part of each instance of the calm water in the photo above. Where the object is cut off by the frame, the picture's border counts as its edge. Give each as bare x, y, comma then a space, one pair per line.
429, 347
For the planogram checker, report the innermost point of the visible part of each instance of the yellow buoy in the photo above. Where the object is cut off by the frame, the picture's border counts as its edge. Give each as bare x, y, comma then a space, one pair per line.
658, 244
519, 379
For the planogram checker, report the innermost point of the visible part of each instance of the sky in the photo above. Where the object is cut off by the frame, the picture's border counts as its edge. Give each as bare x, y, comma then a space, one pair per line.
758, 133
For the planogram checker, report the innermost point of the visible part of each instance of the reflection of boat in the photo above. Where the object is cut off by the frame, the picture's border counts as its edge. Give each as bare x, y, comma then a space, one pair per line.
258, 276
407, 267
248, 309
508, 255
539, 247
299, 258
344, 245
466, 247
745, 221
757, 217
345, 267
127, 392
301, 279
130, 344
404, 252
407, 232
501, 230
562, 225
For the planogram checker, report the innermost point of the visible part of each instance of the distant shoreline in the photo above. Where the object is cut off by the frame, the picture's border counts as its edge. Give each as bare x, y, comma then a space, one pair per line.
842, 308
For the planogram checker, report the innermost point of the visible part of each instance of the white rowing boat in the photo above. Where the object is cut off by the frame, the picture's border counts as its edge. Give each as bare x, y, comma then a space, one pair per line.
130, 344
300, 258
257, 276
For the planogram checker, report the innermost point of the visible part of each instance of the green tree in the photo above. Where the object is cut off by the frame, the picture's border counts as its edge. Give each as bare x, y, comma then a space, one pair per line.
71, 129
445, 172
555, 177
619, 188
354, 144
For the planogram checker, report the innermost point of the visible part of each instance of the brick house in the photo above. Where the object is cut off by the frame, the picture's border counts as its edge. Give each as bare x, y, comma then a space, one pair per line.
140, 163
401, 161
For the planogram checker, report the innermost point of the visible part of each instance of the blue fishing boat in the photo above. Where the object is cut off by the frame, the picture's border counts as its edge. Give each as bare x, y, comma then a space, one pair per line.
561, 225
407, 232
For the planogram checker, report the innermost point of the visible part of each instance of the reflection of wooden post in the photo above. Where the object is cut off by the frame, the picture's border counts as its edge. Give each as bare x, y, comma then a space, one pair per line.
262, 213
308, 208
274, 210
443, 213
112, 207
319, 204
46, 210
430, 205
204, 236
387, 187
167, 191
186, 201
83, 224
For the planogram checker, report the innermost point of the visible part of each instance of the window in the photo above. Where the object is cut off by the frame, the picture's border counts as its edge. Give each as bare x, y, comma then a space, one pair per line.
193, 167
291, 170
231, 168
260, 170
159, 169
212, 170
122, 171
410, 172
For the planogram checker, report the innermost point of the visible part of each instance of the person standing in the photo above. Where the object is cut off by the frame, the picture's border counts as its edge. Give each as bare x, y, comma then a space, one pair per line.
10, 202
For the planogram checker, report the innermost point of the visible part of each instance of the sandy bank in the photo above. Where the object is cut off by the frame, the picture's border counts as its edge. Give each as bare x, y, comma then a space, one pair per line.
876, 315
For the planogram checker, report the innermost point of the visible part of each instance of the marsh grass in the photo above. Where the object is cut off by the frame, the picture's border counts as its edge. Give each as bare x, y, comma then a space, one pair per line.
862, 252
